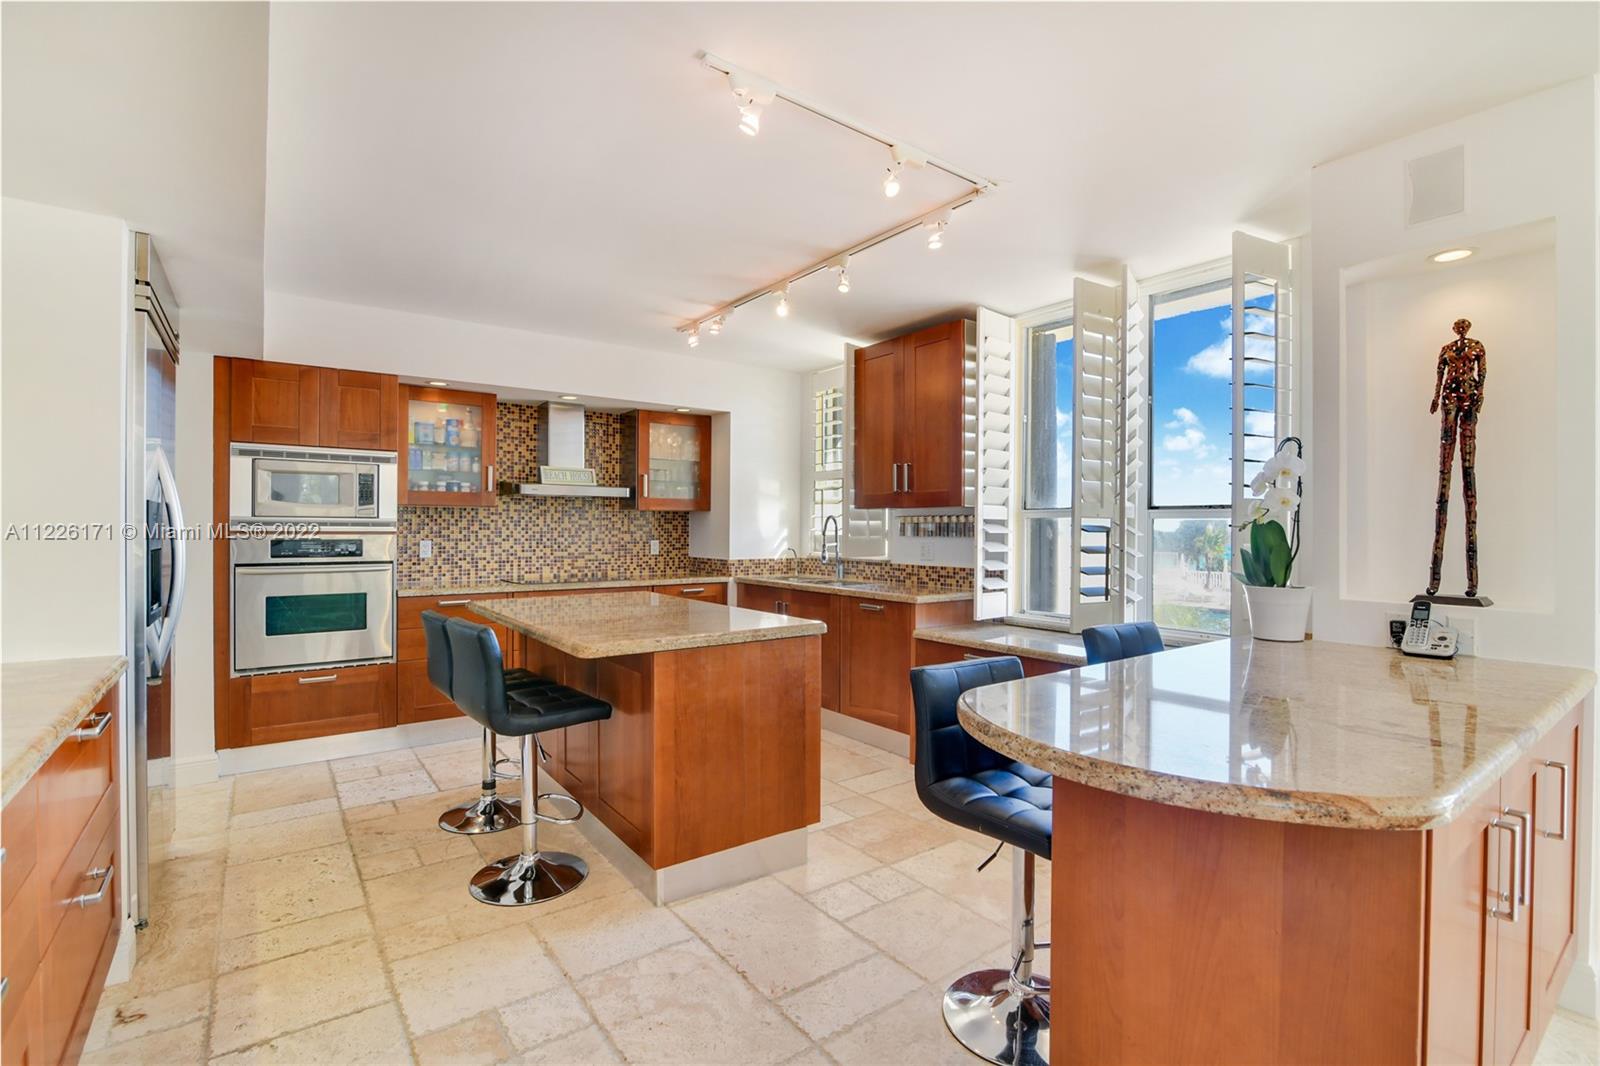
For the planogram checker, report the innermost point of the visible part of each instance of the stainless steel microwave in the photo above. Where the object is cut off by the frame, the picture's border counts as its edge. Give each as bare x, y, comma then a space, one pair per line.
269, 484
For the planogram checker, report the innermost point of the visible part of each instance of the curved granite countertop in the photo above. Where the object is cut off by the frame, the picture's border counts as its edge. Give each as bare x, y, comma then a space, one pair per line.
864, 590
41, 701
998, 638
488, 588
1316, 733
638, 623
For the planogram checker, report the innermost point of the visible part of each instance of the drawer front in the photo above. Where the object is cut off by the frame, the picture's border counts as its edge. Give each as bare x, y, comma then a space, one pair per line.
77, 875
768, 598
19, 946
19, 833
411, 607
710, 591
419, 700
22, 1038
876, 684
72, 782
75, 962
316, 703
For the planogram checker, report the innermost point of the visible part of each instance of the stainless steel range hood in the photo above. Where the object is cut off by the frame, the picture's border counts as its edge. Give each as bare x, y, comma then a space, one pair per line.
560, 455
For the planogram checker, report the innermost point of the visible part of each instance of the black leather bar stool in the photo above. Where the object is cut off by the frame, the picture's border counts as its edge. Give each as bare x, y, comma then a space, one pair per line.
1000, 1015
1121, 640
530, 876
489, 813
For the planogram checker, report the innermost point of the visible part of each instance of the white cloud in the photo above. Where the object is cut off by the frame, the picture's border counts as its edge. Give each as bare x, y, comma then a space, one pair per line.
1192, 439
1260, 422
1182, 416
1213, 361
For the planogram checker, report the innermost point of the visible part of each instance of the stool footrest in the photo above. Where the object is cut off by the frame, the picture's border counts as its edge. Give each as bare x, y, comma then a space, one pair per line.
557, 819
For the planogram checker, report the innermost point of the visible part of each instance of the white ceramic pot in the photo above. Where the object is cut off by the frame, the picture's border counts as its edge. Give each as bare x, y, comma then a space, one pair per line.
1278, 614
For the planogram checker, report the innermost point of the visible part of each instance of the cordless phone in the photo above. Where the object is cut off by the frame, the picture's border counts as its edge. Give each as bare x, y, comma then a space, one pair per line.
1426, 637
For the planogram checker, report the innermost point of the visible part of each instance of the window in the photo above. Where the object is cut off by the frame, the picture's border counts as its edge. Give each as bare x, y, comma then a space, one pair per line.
1047, 455
825, 458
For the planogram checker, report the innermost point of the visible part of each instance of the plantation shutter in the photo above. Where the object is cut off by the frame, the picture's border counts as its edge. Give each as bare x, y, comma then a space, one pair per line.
1135, 404
866, 532
1263, 369
991, 390
1097, 532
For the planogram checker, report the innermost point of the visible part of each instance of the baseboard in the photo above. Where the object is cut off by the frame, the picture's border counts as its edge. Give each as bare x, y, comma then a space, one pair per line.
123, 958
890, 741
194, 770
232, 761
1582, 992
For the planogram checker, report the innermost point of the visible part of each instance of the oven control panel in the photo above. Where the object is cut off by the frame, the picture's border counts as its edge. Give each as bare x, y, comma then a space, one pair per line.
321, 548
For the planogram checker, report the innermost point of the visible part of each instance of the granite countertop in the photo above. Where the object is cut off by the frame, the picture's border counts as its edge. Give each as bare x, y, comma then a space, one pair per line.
638, 623
1316, 733
43, 701
866, 590
491, 587
1002, 639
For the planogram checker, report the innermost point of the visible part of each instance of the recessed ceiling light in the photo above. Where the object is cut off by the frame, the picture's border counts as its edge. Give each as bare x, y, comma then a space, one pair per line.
569, 398
439, 384
1451, 255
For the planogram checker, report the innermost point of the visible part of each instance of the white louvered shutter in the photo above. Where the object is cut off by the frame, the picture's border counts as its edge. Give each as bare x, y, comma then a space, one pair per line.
1135, 405
866, 532
1096, 557
991, 392
1263, 367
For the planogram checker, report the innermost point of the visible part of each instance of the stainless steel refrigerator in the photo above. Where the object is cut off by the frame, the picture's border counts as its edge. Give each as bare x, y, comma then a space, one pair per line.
157, 559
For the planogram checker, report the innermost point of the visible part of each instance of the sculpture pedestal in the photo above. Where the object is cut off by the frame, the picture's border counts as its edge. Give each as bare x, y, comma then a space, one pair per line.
1454, 601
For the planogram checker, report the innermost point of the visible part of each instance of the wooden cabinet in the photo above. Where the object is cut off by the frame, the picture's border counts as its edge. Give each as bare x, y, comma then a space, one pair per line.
709, 591
800, 603
448, 459
291, 404
935, 652
418, 700
908, 396
267, 708
666, 460
62, 879
1555, 902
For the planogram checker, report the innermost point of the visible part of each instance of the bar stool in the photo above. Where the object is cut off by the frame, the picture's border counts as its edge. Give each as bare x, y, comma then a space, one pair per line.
999, 1015
531, 875
1124, 640
488, 813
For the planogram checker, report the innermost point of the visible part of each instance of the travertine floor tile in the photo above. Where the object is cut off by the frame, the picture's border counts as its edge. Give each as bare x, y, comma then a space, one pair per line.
889, 836
362, 791
539, 1019
840, 766
184, 1044
1572, 1040
952, 871
446, 985
471, 1042
359, 767
829, 1005
828, 860
683, 1004
128, 1015
882, 778
281, 788
910, 1030
284, 838
195, 875
262, 895
927, 932
842, 900
585, 1046
775, 938
608, 931
373, 1036
885, 883
289, 812
285, 940
293, 993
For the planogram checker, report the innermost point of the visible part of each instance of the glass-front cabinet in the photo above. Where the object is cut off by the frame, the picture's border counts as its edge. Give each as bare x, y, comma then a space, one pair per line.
447, 450
667, 460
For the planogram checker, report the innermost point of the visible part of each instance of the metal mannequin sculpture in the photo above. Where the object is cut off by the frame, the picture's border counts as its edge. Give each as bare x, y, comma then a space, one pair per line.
1458, 389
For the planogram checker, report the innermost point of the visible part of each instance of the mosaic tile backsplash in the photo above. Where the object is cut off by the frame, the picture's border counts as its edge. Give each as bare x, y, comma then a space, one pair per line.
553, 538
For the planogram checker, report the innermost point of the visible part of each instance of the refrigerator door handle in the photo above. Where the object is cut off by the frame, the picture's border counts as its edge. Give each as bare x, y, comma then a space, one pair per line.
180, 562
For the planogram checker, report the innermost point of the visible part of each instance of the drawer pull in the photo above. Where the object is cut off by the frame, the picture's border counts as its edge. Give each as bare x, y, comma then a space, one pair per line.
969, 655
5, 986
692, 592
1513, 897
97, 726
1566, 798
455, 603
320, 679
89, 899
870, 606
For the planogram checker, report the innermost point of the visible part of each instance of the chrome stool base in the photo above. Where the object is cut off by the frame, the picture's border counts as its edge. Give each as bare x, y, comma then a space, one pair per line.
1000, 1020
486, 814
518, 880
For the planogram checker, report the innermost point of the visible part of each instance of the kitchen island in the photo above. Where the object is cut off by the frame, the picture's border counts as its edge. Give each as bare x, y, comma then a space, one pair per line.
709, 769
1304, 852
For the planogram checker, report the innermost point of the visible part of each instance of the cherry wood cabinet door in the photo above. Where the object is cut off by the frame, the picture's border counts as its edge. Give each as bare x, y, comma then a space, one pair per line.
876, 662
360, 410
768, 598
933, 382
707, 591
667, 460
1514, 1011
447, 448
276, 403
877, 420
314, 703
1555, 889
821, 607
1464, 878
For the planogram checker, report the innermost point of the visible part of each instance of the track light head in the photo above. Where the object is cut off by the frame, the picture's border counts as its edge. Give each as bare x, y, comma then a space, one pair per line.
714, 326
841, 263
694, 336
783, 301
935, 225
753, 94
891, 183
900, 156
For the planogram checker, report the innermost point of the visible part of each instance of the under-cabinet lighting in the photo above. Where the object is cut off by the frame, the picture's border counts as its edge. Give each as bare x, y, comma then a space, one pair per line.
439, 384
568, 398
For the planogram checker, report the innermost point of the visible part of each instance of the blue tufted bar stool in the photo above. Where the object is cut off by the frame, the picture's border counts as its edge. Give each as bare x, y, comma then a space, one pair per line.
1000, 1015
531, 875
489, 813
1104, 644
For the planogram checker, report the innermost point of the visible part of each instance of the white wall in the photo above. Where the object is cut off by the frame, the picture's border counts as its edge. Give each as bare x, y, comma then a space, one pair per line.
754, 485
67, 306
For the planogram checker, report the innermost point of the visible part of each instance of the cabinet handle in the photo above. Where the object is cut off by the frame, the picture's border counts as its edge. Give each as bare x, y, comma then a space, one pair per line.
89, 899
692, 592
454, 603
969, 655
870, 606
491, 484
896, 476
5, 986
1566, 798
908, 477
98, 724
1526, 857
320, 679
782, 606
646, 490
1512, 898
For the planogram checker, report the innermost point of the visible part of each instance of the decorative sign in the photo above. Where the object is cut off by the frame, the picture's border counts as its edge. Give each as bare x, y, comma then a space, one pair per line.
565, 475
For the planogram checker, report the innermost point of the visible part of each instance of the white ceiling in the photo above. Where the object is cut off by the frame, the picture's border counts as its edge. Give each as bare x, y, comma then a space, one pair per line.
156, 114
572, 169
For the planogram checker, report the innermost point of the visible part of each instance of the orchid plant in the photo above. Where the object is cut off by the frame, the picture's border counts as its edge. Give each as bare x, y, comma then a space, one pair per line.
1274, 518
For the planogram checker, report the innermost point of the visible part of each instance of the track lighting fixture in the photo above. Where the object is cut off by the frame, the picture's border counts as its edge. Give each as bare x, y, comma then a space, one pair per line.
891, 183
694, 336
753, 94
714, 326
935, 225
900, 155
783, 301
842, 265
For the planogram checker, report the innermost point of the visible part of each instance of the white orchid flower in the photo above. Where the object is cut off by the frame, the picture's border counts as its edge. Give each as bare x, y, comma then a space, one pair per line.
1262, 481
1285, 464
1255, 511
1281, 500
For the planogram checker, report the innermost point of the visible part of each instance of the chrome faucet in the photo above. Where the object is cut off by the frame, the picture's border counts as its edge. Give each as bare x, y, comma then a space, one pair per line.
794, 560
838, 556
